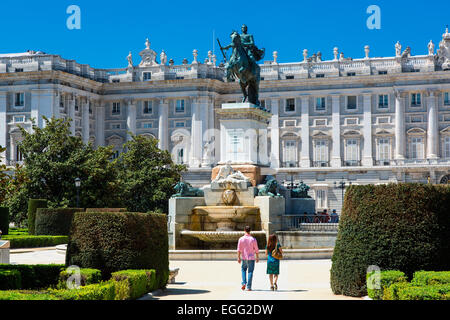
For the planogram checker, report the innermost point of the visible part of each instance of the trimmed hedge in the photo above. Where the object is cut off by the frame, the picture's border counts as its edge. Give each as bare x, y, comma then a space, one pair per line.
387, 278
106, 209
33, 205
4, 220
391, 292
100, 291
435, 292
114, 241
424, 278
87, 277
10, 280
134, 284
22, 241
36, 276
54, 222
26, 295
402, 227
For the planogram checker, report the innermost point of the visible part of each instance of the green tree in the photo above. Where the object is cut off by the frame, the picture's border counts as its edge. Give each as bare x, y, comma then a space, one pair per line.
147, 175
53, 159
4, 178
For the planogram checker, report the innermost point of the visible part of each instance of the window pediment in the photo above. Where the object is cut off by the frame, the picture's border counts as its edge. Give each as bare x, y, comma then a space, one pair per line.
351, 133
416, 131
320, 135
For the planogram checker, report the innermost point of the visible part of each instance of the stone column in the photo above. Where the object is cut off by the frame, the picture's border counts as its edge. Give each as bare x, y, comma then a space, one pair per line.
100, 124
433, 128
163, 126
56, 102
3, 126
85, 122
400, 134
71, 114
131, 118
305, 161
12, 150
199, 112
336, 131
209, 134
367, 159
275, 134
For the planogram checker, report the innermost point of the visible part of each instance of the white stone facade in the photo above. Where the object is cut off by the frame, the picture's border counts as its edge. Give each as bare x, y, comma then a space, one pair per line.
368, 120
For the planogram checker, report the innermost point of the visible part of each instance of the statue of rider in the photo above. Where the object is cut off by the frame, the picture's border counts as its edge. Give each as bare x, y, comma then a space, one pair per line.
252, 51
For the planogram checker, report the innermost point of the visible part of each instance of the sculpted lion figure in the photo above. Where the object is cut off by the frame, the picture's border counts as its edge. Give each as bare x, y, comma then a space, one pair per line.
270, 189
300, 192
184, 189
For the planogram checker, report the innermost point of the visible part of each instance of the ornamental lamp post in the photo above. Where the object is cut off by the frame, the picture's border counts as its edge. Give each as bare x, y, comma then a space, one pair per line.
78, 185
341, 185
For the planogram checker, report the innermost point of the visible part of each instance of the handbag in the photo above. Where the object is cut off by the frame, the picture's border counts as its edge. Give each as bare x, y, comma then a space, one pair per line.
277, 253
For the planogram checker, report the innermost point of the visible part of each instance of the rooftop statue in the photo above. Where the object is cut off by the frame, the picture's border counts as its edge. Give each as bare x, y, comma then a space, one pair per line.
243, 65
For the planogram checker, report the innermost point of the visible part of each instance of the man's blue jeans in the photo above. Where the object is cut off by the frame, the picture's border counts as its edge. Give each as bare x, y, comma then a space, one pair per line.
250, 266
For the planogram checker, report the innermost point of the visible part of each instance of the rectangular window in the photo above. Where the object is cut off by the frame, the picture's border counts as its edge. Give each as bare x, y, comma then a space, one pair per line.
416, 119
321, 152
320, 104
417, 148
321, 199
147, 76
382, 72
383, 101
179, 124
416, 99
351, 121
18, 119
289, 77
180, 156
76, 105
290, 123
291, 153
115, 126
147, 125
262, 103
351, 102
320, 75
116, 80
290, 105
446, 99
447, 147
116, 108
351, 151
19, 99
179, 106
384, 149
320, 122
351, 74
148, 107
19, 69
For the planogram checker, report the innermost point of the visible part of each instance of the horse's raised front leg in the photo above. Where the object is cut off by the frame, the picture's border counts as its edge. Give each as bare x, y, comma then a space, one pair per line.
244, 91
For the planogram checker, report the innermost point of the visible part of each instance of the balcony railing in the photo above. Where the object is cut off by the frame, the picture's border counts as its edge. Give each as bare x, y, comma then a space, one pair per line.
320, 164
311, 222
289, 164
382, 162
351, 163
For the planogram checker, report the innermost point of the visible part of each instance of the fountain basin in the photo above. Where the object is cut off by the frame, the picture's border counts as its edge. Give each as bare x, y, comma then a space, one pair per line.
223, 218
220, 236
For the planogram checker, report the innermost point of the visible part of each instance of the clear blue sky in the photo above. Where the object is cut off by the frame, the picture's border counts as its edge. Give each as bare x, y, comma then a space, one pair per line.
110, 29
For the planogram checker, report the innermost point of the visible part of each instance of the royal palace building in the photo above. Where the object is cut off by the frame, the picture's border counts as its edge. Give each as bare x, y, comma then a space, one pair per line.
334, 122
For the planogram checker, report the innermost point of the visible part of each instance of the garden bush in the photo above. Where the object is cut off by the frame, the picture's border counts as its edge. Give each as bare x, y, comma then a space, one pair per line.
387, 278
36, 276
99, 291
434, 292
54, 222
4, 220
391, 292
33, 205
136, 282
26, 295
87, 277
10, 280
114, 241
401, 226
23, 241
423, 278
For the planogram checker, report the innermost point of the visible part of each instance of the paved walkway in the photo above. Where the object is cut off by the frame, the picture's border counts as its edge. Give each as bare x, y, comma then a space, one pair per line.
220, 280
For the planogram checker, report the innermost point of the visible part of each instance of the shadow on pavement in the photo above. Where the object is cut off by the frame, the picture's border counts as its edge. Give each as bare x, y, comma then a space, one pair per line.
180, 291
268, 290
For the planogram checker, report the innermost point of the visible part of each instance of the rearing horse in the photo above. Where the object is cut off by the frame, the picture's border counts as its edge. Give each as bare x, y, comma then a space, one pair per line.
242, 68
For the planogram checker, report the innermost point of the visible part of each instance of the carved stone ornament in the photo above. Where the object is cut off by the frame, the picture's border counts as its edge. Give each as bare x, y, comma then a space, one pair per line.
148, 56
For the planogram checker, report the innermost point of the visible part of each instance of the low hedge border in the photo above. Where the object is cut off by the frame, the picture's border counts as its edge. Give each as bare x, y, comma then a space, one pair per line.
136, 284
87, 277
434, 292
423, 278
39, 276
10, 280
29, 241
387, 278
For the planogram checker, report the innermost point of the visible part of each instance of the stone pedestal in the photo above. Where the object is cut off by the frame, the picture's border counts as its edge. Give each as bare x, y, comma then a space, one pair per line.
271, 210
180, 210
4, 251
298, 206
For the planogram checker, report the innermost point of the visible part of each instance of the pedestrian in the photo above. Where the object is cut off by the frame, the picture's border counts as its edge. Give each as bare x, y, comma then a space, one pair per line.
273, 264
248, 249
334, 216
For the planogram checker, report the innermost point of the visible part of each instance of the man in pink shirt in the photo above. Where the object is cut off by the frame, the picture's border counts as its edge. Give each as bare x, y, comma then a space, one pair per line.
248, 247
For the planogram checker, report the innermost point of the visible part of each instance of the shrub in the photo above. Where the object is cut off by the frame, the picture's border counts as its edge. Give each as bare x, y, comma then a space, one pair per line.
99, 291
423, 278
402, 227
436, 292
10, 280
391, 292
117, 241
26, 295
4, 220
21, 241
87, 277
387, 278
33, 205
106, 209
54, 221
138, 282
36, 276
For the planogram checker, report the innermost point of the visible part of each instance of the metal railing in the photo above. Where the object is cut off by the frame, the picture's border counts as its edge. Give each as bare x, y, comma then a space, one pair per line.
310, 222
